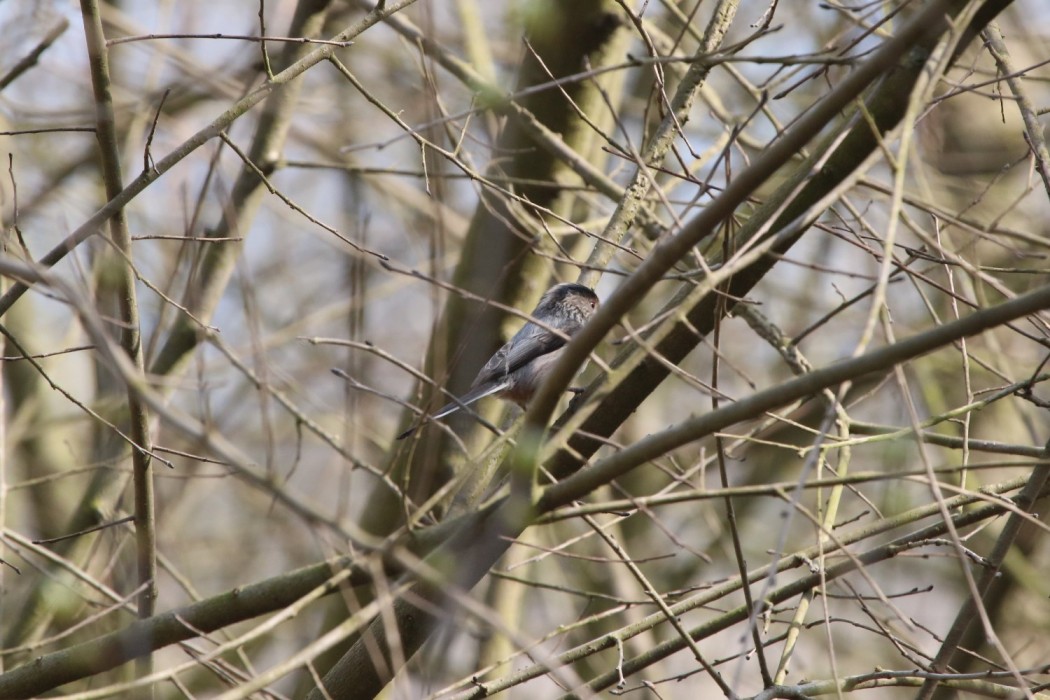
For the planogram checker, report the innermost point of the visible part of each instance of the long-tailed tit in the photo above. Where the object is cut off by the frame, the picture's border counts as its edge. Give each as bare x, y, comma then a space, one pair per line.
518, 368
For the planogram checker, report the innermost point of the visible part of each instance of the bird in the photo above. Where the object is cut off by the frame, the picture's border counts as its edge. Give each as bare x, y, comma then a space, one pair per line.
516, 371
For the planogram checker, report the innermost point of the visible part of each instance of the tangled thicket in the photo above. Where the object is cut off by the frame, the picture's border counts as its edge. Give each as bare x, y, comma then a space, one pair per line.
809, 456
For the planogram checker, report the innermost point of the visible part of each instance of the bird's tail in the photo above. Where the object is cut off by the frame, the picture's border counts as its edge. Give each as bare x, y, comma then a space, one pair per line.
475, 394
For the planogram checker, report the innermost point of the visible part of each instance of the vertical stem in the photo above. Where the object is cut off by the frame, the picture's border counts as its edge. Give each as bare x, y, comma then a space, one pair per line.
3, 404
123, 276
970, 613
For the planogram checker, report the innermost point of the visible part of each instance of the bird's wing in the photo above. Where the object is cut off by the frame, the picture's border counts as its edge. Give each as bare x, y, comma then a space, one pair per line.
478, 392
530, 342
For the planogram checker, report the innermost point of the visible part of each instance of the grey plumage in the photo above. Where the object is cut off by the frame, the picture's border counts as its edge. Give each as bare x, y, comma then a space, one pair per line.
517, 369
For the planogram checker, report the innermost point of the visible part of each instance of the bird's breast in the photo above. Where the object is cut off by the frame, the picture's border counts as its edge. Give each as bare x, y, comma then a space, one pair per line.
526, 381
